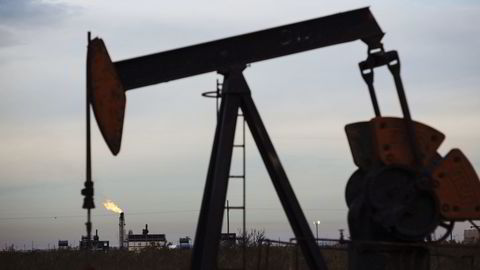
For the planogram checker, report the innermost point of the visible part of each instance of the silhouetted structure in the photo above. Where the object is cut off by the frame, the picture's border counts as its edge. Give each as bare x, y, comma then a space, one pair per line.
95, 244
392, 197
63, 244
121, 232
184, 243
136, 242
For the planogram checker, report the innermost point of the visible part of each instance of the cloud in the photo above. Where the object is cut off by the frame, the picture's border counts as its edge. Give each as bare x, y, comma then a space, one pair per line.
20, 16
29, 12
8, 38
304, 100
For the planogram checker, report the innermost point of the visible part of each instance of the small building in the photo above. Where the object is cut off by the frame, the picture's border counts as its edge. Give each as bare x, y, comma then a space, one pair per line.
471, 236
95, 244
137, 242
63, 244
184, 243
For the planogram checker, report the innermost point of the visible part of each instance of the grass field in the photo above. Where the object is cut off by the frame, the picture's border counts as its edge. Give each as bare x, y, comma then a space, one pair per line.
273, 257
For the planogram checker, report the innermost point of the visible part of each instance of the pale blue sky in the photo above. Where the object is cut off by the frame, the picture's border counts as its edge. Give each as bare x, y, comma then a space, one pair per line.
158, 177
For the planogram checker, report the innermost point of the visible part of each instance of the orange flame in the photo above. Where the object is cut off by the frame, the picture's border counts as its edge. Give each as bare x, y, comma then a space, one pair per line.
109, 205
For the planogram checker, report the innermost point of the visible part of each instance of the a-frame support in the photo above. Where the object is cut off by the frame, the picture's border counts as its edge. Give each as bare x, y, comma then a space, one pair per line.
236, 95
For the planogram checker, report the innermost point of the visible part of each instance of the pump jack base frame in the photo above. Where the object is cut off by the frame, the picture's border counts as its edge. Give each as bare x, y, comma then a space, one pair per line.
236, 95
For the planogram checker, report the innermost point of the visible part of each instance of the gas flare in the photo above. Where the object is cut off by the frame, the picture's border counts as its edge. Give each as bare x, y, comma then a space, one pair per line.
109, 205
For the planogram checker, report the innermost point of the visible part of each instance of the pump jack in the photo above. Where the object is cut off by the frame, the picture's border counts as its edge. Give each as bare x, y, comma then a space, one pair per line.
108, 81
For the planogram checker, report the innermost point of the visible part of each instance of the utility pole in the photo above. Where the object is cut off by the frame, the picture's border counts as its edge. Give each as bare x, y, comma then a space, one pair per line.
228, 219
316, 227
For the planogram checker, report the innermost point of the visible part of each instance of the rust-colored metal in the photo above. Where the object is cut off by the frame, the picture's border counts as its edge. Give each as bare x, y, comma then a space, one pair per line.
392, 146
457, 187
403, 189
107, 94
360, 139
385, 139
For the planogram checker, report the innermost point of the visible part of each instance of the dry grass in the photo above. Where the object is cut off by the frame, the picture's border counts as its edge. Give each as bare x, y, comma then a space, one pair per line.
79, 260
289, 258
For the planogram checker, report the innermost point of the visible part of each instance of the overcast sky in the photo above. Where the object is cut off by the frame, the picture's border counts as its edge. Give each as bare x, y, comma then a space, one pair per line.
158, 177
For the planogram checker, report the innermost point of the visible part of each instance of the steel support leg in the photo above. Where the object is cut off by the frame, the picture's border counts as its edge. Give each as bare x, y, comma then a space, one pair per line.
199, 239
236, 94
211, 215
282, 186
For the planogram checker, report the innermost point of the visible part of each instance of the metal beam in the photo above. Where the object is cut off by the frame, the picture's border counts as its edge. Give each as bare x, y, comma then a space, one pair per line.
248, 48
207, 238
284, 190
236, 94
